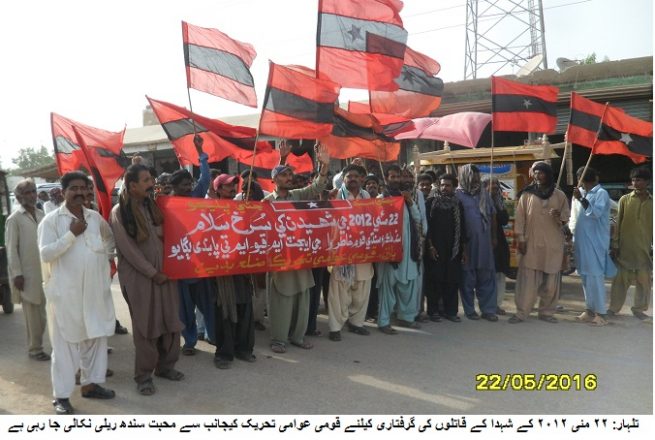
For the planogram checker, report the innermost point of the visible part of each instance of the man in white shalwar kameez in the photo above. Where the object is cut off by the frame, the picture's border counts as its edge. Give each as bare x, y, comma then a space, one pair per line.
75, 244
350, 285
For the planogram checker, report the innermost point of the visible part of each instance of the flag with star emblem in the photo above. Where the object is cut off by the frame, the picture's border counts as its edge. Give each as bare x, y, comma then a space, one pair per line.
584, 123
297, 105
221, 140
218, 64
620, 132
521, 107
360, 135
419, 91
80, 147
360, 43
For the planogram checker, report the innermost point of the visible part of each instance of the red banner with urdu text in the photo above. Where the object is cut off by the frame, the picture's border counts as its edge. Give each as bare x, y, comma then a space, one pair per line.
209, 237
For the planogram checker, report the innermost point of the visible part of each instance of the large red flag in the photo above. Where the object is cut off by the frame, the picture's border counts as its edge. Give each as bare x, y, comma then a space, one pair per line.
217, 64
584, 124
384, 123
360, 43
521, 107
419, 91
621, 133
221, 140
98, 152
358, 135
297, 105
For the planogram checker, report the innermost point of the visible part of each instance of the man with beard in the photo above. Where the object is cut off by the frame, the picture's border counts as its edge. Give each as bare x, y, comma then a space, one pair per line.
397, 286
591, 243
152, 298
632, 246
350, 285
445, 246
24, 266
501, 248
234, 322
194, 292
478, 274
75, 245
289, 291
541, 211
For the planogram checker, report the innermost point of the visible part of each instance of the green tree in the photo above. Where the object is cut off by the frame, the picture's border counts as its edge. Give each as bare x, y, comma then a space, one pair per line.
31, 157
590, 59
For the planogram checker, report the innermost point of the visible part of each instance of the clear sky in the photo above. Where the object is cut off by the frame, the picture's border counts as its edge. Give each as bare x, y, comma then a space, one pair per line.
94, 61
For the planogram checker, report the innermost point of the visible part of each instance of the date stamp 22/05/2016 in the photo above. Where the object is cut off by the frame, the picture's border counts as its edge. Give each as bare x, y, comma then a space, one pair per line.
536, 382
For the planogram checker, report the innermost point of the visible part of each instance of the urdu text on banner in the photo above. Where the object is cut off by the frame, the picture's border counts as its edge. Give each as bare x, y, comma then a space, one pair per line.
208, 237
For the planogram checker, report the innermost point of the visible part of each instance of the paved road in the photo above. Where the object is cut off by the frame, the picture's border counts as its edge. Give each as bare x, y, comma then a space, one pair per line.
428, 371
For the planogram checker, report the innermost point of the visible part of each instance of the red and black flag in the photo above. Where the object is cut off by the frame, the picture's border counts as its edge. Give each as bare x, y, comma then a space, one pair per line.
297, 105
266, 161
521, 107
217, 64
621, 133
79, 147
358, 135
419, 91
388, 124
584, 126
360, 43
221, 140
584, 120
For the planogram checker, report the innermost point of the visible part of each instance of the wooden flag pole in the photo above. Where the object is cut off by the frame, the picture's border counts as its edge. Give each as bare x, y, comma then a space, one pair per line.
491, 161
561, 168
193, 121
252, 166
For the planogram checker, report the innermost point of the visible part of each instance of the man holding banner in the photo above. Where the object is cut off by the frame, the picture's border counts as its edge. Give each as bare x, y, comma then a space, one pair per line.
289, 291
194, 292
233, 313
152, 298
397, 286
350, 285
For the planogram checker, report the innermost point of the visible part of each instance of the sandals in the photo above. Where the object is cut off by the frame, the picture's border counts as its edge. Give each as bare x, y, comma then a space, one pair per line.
171, 374
585, 317
358, 330
40, 356
304, 345
409, 324
550, 319
598, 321
335, 336
316, 333
514, 320
146, 388
279, 348
188, 351
388, 330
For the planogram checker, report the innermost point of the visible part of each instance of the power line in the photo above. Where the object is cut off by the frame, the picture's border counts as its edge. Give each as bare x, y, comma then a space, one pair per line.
491, 17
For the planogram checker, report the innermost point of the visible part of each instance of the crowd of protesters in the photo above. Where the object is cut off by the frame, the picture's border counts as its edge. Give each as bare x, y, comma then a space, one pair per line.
454, 247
